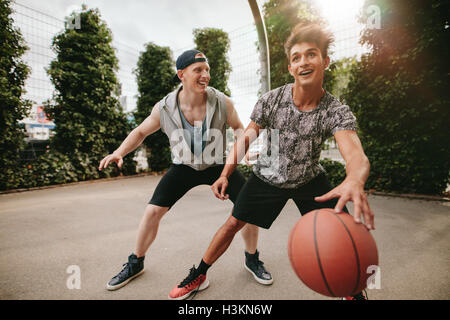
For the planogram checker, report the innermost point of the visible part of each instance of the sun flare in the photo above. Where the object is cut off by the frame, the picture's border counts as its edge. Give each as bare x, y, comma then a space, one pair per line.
335, 10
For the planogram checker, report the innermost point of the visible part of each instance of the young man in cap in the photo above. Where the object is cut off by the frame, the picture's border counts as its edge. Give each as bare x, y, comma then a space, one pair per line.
194, 117
300, 116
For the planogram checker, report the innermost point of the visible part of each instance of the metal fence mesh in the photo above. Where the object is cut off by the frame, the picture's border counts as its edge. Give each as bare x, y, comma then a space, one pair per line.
39, 28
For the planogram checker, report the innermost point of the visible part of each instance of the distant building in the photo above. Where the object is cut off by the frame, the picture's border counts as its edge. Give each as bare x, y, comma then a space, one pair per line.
37, 126
141, 159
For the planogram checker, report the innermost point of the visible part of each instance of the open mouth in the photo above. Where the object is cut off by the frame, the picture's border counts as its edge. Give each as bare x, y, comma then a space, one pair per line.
306, 72
202, 84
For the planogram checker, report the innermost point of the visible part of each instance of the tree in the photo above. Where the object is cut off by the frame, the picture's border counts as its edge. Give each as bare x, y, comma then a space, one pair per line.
400, 95
341, 73
13, 73
154, 73
215, 43
89, 120
280, 17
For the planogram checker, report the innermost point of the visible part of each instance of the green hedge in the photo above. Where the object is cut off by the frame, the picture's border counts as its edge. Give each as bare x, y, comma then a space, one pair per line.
246, 170
154, 76
13, 106
335, 171
399, 92
56, 168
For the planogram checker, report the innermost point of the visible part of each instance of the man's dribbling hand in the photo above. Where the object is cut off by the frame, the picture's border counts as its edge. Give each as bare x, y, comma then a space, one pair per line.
350, 190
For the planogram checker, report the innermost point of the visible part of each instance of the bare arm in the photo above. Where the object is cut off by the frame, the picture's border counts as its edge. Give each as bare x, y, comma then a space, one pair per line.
234, 122
232, 117
357, 172
150, 125
357, 163
240, 148
236, 154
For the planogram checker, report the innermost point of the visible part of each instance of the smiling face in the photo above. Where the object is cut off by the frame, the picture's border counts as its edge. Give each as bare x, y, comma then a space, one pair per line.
307, 65
196, 76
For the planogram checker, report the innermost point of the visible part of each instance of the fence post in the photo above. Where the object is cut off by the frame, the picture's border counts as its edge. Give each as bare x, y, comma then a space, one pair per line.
263, 46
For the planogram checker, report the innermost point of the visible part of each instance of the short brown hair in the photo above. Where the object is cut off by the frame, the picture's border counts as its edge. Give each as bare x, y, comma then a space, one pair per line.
309, 32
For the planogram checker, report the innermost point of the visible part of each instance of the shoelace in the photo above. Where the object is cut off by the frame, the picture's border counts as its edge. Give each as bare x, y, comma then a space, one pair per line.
260, 266
189, 279
124, 271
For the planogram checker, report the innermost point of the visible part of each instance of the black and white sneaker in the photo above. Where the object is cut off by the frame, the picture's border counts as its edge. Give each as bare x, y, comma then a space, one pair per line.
133, 268
256, 268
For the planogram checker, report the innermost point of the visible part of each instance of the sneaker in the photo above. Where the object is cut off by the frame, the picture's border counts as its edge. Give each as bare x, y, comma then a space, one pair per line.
256, 268
133, 268
360, 296
193, 283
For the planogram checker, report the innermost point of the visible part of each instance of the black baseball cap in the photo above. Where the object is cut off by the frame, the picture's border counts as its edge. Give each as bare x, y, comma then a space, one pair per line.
186, 59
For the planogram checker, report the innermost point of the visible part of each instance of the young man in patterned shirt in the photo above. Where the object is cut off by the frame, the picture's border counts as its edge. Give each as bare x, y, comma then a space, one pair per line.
298, 118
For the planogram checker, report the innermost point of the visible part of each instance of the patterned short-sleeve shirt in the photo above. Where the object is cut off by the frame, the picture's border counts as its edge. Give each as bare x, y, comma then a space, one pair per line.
294, 138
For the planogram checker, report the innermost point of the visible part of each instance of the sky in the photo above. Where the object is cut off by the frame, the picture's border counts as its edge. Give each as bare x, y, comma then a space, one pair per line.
171, 22
165, 22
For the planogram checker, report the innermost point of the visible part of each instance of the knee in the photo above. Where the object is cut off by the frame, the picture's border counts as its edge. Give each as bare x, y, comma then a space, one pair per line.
153, 212
251, 228
233, 225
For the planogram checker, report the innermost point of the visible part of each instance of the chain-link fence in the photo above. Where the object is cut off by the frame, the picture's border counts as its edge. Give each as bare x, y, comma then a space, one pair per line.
39, 28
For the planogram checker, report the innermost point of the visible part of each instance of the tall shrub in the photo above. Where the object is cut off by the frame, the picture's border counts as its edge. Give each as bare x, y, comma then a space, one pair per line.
90, 122
280, 17
13, 73
400, 95
215, 44
154, 72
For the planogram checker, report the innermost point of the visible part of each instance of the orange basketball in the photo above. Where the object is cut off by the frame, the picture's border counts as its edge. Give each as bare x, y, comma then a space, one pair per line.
330, 253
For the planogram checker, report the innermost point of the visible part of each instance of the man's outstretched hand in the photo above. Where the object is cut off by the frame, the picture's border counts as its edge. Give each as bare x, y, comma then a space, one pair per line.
350, 190
114, 157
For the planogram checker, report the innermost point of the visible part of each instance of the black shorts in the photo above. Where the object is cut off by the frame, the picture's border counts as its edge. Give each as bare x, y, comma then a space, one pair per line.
180, 178
260, 203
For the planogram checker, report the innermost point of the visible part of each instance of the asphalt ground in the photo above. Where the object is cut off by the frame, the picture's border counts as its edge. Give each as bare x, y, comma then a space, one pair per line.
92, 226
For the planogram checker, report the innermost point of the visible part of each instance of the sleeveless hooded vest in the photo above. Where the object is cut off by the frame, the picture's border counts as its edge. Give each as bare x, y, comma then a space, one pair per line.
215, 134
